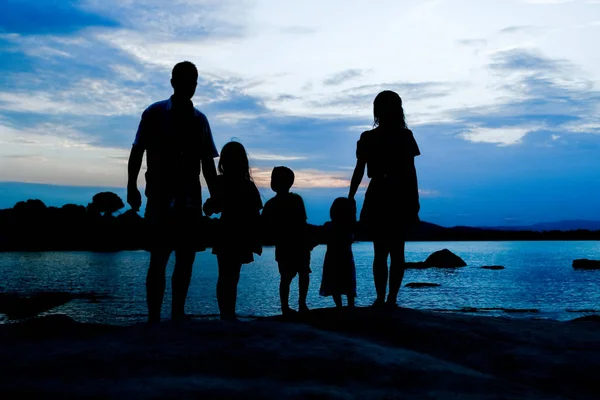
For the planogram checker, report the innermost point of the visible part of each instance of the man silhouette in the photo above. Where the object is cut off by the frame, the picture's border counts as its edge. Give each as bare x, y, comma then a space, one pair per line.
179, 146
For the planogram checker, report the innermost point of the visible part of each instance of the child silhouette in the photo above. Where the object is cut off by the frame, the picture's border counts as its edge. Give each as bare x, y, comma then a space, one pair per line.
339, 272
238, 200
284, 222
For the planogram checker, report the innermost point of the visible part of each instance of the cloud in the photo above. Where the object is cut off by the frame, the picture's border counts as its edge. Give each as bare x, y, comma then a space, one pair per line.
343, 76
517, 29
297, 86
86, 97
528, 61
260, 156
44, 157
298, 30
548, 1
473, 42
504, 136
25, 157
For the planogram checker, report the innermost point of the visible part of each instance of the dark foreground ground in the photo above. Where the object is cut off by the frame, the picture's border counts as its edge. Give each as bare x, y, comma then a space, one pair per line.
365, 354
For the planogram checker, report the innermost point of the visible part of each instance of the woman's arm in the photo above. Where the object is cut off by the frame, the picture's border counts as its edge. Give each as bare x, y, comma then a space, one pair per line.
357, 176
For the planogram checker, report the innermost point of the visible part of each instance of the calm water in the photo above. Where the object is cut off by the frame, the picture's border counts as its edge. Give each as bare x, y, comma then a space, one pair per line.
538, 275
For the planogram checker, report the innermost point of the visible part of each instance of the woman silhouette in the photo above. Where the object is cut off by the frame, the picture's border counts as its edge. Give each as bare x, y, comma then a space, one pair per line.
391, 205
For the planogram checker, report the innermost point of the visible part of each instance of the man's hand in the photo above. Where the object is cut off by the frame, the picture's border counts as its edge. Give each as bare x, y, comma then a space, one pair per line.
208, 207
134, 198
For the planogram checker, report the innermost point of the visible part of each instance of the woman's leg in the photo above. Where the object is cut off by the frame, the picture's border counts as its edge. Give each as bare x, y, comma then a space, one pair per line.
397, 267
380, 269
337, 298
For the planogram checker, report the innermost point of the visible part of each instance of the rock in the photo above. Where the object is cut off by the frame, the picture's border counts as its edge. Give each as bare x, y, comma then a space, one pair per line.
584, 263
493, 267
445, 259
416, 265
386, 354
421, 285
16, 307
587, 318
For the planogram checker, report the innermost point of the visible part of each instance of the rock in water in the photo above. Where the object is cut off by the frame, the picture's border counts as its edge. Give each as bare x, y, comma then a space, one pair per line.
584, 263
445, 259
422, 285
493, 267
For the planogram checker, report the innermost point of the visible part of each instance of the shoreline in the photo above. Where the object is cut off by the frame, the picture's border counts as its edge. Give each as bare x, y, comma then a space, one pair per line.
208, 248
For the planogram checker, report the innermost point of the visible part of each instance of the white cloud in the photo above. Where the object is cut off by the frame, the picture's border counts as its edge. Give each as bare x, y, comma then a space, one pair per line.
504, 136
261, 156
264, 49
585, 126
39, 155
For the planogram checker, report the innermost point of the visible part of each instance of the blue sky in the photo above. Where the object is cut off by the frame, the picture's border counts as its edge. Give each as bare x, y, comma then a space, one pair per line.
503, 97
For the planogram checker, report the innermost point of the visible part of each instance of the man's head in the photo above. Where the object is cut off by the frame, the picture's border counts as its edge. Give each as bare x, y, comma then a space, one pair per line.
282, 179
184, 79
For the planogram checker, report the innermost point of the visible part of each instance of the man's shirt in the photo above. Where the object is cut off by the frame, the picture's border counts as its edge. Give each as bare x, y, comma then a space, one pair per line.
176, 137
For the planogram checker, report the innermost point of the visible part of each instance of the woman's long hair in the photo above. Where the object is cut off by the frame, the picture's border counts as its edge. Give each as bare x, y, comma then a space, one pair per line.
234, 161
388, 111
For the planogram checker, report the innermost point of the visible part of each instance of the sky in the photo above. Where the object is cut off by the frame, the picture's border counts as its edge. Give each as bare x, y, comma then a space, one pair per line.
503, 97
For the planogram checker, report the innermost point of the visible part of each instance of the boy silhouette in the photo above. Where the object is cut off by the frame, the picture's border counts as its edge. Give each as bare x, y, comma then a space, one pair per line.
284, 220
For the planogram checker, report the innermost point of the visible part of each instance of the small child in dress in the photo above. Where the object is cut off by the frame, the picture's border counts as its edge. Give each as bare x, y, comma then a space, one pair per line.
237, 199
284, 223
339, 272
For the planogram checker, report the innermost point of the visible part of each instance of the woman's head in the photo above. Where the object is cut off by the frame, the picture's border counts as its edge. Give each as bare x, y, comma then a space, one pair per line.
342, 211
234, 161
387, 110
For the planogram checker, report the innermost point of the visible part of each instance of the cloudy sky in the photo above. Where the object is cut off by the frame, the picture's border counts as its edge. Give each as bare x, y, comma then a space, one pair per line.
503, 96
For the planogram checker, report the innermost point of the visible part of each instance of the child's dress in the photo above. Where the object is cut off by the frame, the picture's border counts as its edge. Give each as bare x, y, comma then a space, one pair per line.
237, 235
339, 271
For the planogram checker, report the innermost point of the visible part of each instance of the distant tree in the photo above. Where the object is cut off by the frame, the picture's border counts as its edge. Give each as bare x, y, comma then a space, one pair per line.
105, 203
30, 206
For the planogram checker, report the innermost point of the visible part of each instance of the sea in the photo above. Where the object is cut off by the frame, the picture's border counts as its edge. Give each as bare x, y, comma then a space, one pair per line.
538, 281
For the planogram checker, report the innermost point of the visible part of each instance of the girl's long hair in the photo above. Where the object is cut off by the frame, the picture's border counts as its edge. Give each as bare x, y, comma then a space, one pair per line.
233, 161
388, 111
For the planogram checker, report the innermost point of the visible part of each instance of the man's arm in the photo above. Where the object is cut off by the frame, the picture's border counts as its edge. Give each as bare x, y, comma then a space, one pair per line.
209, 153
210, 174
134, 198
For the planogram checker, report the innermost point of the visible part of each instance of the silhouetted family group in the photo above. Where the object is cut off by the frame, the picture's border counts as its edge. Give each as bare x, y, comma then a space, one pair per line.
179, 146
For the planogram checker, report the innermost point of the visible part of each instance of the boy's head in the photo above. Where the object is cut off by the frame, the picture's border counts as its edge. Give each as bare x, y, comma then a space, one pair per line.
282, 179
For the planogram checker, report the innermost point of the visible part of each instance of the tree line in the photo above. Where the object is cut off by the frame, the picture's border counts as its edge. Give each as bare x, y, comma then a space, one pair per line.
32, 226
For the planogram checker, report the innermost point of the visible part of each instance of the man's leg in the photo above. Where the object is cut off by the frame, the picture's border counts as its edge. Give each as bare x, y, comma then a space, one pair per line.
350, 301
180, 281
155, 283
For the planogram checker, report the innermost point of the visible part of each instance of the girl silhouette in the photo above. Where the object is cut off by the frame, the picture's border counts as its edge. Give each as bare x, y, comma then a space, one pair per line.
238, 200
339, 271
391, 206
